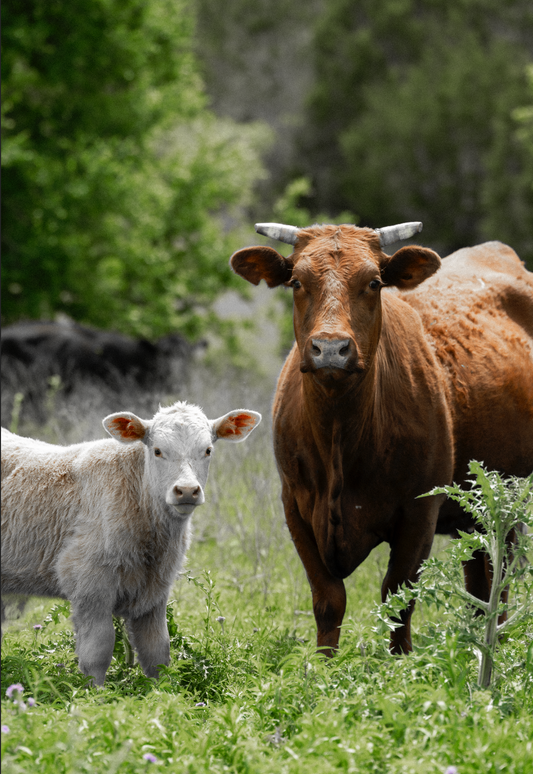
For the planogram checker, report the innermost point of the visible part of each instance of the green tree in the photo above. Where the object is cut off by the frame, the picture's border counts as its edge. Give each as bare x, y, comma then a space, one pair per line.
119, 185
256, 60
510, 185
411, 117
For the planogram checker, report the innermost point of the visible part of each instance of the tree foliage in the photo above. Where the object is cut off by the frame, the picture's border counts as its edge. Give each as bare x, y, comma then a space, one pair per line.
118, 183
412, 117
256, 59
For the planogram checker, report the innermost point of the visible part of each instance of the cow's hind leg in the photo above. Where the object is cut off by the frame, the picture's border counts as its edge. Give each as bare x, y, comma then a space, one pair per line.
95, 640
477, 575
149, 637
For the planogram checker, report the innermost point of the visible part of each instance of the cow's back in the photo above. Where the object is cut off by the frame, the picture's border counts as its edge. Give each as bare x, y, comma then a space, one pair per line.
478, 313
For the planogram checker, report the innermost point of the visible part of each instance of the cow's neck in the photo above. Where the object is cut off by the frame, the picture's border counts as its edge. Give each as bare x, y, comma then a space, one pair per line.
342, 416
342, 429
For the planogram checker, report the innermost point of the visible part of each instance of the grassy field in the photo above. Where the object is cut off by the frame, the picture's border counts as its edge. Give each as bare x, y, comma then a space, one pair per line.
245, 691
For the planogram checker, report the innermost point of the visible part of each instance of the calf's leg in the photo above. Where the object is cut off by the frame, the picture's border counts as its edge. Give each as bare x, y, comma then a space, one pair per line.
149, 637
95, 640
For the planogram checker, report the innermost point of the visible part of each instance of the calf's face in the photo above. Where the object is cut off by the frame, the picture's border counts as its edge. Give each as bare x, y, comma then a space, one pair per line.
179, 443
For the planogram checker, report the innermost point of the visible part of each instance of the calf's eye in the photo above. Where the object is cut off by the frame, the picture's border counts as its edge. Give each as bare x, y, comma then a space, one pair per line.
158, 452
296, 284
208, 452
374, 284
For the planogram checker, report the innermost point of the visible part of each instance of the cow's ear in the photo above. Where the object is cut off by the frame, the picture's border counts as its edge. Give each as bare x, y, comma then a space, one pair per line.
126, 427
236, 425
409, 266
257, 263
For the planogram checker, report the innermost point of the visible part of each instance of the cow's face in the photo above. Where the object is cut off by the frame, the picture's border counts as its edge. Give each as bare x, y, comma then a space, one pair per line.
179, 444
336, 274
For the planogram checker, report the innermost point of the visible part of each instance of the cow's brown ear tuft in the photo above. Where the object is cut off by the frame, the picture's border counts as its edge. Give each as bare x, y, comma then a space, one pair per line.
409, 266
125, 427
236, 425
256, 263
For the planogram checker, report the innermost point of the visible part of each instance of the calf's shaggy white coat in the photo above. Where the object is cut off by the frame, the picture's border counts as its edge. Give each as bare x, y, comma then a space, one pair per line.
106, 525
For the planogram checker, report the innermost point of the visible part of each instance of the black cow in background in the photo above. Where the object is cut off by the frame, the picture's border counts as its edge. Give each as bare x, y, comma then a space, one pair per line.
85, 359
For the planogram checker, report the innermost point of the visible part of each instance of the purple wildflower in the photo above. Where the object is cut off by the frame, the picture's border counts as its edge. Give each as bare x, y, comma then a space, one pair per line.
451, 770
31, 702
150, 757
37, 627
201, 704
16, 687
5, 729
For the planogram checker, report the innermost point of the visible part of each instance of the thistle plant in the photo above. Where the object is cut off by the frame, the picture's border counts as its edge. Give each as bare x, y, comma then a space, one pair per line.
502, 509
123, 647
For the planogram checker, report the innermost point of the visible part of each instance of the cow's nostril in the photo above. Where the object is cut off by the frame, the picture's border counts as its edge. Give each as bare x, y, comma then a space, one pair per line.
316, 350
187, 493
344, 350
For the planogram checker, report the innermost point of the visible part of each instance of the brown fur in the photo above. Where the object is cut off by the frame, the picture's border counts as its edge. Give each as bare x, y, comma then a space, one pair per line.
435, 374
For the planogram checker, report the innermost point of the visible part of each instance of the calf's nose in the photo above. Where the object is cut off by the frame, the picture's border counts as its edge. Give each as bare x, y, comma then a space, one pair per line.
330, 353
187, 495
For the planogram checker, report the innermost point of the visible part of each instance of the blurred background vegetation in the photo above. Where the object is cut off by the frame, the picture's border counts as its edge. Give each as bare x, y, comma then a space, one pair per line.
142, 138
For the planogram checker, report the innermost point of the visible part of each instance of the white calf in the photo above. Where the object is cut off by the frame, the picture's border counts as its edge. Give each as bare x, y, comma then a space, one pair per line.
106, 524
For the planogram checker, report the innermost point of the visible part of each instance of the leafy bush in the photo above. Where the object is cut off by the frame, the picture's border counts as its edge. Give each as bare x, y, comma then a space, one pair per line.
120, 187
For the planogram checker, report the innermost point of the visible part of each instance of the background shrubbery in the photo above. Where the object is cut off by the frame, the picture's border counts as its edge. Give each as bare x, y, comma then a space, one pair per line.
127, 182
119, 184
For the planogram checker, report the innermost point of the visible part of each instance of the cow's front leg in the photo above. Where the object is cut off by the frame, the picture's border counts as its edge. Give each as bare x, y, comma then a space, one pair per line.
149, 637
95, 640
410, 546
329, 594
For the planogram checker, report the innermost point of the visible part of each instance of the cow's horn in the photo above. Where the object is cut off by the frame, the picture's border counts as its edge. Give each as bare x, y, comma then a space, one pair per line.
391, 234
288, 234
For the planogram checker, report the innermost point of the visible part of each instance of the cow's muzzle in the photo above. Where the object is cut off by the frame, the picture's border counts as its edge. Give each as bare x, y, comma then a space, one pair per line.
185, 498
334, 355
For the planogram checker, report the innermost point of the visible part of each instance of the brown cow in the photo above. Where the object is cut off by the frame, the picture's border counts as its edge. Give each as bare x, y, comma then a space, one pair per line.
389, 390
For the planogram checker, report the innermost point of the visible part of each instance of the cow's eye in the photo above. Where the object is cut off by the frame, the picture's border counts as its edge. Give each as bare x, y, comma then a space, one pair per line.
374, 284
295, 283
158, 452
208, 451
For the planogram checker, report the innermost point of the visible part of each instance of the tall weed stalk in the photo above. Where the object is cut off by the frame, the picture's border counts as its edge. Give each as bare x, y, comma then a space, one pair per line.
501, 508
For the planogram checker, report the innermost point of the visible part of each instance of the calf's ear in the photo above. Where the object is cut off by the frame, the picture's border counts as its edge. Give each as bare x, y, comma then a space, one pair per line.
256, 263
236, 425
125, 427
409, 266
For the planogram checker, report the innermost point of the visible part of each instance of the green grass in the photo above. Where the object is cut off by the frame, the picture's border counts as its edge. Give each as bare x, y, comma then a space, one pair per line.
249, 694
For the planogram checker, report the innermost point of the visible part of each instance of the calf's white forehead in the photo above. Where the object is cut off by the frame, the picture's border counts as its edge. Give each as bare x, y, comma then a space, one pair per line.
182, 425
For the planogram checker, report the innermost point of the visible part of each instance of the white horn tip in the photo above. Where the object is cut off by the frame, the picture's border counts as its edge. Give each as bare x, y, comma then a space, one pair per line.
278, 231
400, 231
